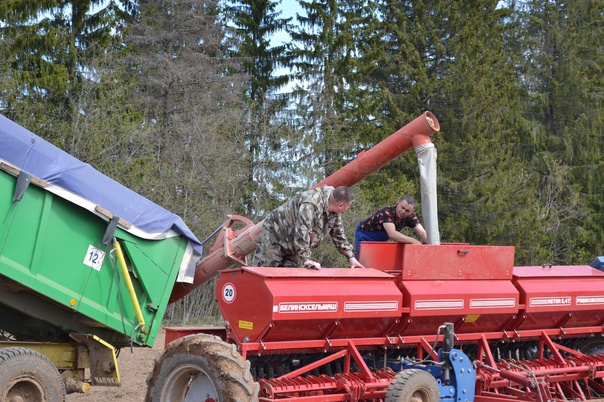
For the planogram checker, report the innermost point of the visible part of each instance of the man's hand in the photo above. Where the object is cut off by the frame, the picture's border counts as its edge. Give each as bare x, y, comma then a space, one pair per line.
354, 263
309, 264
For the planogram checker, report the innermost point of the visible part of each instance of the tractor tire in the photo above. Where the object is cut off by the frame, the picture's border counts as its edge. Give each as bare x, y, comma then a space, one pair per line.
201, 368
592, 347
413, 385
28, 376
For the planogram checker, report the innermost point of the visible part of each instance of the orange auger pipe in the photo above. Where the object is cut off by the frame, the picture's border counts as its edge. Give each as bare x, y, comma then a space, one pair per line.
232, 247
371, 160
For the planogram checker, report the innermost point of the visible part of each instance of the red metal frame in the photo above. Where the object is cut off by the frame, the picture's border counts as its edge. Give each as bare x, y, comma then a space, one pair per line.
345, 386
543, 379
548, 379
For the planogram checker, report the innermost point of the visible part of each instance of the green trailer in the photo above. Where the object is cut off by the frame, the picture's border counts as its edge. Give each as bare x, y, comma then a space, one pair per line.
78, 280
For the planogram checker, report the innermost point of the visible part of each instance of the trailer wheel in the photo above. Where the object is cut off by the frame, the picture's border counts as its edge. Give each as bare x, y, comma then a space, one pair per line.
413, 385
201, 368
28, 376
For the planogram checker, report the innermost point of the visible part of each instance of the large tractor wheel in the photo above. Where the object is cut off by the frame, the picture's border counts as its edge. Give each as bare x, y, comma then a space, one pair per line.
201, 368
592, 347
28, 376
413, 385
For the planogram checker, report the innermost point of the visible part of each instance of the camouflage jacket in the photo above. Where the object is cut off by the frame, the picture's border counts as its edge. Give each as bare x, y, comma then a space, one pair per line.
300, 224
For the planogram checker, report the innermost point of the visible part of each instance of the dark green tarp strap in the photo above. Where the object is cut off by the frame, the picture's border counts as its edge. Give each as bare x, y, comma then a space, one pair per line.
110, 232
23, 181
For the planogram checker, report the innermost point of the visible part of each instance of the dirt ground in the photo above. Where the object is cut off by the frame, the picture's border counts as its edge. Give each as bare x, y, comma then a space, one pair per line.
134, 367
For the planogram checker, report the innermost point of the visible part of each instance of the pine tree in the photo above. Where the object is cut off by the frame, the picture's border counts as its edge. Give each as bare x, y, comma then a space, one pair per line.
253, 23
192, 94
85, 108
318, 52
452, 59
51, 44
398, 62
562, 77
193, 105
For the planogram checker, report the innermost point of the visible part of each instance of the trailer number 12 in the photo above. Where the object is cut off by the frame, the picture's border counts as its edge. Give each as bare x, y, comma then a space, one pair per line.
94, 257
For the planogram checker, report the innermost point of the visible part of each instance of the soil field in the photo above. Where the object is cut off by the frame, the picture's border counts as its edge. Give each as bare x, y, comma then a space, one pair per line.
134, 368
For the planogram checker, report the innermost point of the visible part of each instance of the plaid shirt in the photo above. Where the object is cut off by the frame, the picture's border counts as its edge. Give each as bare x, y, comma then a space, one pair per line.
387, 214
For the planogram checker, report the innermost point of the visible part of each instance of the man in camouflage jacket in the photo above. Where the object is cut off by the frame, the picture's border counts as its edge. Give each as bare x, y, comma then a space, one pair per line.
291, 231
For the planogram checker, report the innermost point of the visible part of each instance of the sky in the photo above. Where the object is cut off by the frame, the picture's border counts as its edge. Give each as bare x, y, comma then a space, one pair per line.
288, 9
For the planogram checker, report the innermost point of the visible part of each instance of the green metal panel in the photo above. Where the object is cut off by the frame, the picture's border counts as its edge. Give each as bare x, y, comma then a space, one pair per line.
53, 247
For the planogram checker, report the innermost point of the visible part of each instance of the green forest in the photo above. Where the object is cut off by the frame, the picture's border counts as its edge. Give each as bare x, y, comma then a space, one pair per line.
193, 105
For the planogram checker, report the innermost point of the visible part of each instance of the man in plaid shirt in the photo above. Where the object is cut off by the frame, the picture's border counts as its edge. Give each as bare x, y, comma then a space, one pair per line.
387, 222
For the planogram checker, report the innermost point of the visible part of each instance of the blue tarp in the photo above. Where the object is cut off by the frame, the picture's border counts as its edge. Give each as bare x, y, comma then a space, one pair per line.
40, 158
